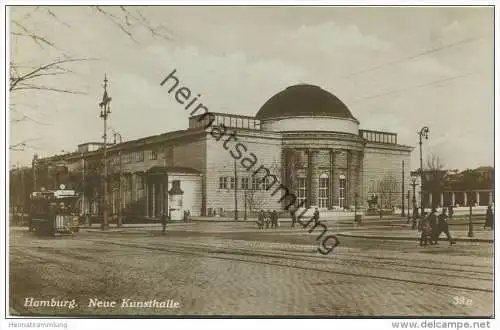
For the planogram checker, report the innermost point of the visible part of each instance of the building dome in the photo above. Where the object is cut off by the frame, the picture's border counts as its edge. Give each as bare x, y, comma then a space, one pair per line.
304, 100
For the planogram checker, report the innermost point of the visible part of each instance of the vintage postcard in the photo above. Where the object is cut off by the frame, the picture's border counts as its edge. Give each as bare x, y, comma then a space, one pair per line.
251, 161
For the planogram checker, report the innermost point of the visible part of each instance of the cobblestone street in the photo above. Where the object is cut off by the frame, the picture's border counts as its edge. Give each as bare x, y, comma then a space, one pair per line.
235, 269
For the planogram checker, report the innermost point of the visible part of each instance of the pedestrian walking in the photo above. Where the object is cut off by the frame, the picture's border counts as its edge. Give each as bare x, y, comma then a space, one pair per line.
261, 218
294, 217
450, 211
489, 221
163, 222
443, 227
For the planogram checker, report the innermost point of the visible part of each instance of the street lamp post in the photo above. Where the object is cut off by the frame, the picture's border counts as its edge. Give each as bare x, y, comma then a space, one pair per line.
120, 220
414, 203
424, 133
471, 226
408, 204
403, 189
105, 112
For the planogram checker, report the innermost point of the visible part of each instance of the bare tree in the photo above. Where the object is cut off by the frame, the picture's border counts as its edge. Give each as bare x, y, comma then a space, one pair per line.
24, 77
387, 188
434, 177
254, 201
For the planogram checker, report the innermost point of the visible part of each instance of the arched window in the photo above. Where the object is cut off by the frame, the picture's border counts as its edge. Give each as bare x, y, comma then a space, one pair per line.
323, 192
342, 191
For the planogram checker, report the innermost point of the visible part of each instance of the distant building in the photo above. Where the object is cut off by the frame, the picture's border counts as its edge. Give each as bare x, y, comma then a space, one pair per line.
303, 136
451, 187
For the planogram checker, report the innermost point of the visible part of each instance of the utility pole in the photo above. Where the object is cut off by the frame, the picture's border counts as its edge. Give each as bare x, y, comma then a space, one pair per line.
235, 192
403, 188
120, 220
105, 111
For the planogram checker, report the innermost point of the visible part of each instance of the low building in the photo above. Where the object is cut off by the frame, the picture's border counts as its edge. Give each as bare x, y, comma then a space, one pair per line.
304, 147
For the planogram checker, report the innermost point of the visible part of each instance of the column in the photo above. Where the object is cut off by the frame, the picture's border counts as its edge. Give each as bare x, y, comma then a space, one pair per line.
147, 200
430, 200
331, 200
153, 198
162, 200
453, 198
465, 198
477, 198
309, 179
314, 154
490, 198
348, 181
441, 200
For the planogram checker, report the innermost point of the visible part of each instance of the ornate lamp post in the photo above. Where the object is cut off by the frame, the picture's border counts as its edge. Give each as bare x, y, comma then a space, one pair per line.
424, 133
105, 112
414, 202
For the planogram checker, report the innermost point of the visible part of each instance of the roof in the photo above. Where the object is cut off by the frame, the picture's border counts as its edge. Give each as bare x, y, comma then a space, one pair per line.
172, 169
304, 100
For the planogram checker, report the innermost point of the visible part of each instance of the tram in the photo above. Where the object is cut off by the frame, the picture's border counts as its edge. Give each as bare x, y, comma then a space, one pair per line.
54, 212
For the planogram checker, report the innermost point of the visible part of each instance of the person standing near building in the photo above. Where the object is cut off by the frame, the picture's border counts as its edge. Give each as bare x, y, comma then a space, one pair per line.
268, 218
443, 227
316, 216
260, 219
274, 219
294, 217
489, 221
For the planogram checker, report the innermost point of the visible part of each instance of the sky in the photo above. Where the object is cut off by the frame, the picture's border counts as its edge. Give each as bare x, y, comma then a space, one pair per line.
396, 68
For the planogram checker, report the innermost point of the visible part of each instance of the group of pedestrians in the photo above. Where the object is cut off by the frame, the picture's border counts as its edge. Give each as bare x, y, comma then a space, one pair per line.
267, 219
433, 226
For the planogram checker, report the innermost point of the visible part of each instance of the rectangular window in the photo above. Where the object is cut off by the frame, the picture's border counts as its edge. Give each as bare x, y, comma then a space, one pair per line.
222, 182
301, 190
255, 184
140, 156
323, 192
126, 158
342, 186
233, 182
153, 155
140, 182
244, 183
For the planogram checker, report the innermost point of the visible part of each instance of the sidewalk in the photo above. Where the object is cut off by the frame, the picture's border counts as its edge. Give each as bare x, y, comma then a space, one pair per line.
483, 236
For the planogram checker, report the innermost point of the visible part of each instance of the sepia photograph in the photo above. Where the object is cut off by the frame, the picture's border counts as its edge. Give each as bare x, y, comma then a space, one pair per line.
250, 161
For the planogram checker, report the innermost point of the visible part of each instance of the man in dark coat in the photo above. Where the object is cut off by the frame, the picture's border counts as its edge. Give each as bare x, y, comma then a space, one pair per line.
443, 227
274, 219
261, 219
294, 217
489, 218
316, 215
163, 222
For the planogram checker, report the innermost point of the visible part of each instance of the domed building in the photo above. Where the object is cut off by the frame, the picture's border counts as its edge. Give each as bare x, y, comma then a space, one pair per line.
303, 148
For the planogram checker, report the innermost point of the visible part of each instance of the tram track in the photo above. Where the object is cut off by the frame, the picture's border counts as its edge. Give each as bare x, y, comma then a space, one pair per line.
242, 255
